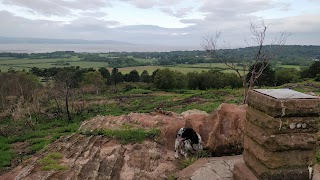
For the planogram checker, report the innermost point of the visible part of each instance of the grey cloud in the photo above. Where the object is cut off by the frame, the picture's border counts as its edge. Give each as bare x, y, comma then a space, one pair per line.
20, 27
94, 14
88, 24
179, 13
232, 8
57, 7
41, 7
144, 4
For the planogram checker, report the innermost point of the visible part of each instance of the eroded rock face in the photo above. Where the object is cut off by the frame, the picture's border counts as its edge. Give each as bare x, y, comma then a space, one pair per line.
97, 157
226, 136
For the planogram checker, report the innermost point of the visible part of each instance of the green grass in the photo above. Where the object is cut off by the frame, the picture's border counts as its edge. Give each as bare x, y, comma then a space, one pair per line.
6, 155
187, 162
288, 66
52, 162
126, 134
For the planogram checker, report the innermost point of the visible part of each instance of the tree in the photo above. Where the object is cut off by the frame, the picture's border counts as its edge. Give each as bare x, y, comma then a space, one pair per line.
267, 77
193, 80
145, 77
19, 96
263, 54
164, 79
93, 79
312, 71
181, 81
105, 73
134, 76
116, 76
286, 75
65, 81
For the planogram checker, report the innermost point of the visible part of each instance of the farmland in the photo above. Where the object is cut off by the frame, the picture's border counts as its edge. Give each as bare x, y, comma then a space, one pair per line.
20, 64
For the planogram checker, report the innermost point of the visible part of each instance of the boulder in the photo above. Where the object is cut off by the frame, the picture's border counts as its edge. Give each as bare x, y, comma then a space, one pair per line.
226, 136
198, 120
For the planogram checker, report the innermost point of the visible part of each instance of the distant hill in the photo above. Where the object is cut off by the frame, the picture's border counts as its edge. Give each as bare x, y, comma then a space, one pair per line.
19, 40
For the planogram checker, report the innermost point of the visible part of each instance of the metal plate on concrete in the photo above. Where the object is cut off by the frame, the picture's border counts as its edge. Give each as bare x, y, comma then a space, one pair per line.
285, 94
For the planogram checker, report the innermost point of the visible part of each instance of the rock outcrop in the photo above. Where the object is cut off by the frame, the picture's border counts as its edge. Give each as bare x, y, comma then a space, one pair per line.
100, 157
227, 127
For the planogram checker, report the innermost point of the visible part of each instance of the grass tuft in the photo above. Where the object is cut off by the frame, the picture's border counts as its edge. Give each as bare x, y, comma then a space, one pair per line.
126, 135
51, 162
187, 162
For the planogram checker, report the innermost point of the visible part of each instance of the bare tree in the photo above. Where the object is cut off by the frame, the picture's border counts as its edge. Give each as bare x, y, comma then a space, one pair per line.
264, 54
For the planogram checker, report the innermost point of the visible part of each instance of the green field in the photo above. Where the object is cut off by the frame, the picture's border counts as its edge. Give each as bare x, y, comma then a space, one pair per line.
20, 64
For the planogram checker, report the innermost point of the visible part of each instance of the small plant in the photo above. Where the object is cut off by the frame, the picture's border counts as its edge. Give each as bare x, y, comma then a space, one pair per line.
318, 156
51, 162
171, 177
187, 162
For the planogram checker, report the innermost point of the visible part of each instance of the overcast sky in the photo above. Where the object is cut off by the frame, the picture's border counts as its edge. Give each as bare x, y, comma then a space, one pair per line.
161, 22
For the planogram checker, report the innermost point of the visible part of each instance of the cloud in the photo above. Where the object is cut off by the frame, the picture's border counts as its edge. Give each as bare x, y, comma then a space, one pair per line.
97, 14
179, 13
91, 21
89, 24
144, 4
14, 26
57, 7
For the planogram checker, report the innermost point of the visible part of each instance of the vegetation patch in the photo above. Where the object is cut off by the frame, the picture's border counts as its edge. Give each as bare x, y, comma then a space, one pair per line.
6, 155
127, 134
187, 162
52, 162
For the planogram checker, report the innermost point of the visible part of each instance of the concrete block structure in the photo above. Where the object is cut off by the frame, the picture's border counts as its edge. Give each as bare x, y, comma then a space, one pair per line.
280, 139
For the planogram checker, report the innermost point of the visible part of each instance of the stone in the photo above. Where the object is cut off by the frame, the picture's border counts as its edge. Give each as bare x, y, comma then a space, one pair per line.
281, 142
282, 125
200, 123
226, 136
284, 159
276, 106
242, 172
264, 173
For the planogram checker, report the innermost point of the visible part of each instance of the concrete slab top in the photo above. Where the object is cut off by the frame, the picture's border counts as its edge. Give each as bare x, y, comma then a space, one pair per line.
285, 94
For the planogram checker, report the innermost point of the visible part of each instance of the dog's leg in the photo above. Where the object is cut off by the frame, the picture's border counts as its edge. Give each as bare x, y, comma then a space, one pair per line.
186, 147
176, 147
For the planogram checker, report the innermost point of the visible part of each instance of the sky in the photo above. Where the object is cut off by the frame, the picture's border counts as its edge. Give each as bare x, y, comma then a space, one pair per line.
161, 22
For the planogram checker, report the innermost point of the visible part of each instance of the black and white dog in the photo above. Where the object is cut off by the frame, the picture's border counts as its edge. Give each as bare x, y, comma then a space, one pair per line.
187, 140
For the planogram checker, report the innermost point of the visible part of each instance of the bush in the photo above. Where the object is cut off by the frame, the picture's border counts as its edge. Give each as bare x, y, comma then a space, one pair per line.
139, 91
317, 77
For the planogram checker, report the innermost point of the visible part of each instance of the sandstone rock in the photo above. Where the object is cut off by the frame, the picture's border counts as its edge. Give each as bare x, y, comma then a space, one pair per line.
226, 135
284, 107
282, 125
285, 159
264, 173
200, 123
97, 157
281, 142
242, 172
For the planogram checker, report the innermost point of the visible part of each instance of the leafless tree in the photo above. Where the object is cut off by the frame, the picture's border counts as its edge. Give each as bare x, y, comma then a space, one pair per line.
263, 55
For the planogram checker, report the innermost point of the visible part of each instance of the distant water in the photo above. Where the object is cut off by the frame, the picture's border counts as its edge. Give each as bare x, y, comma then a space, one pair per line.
92, 48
